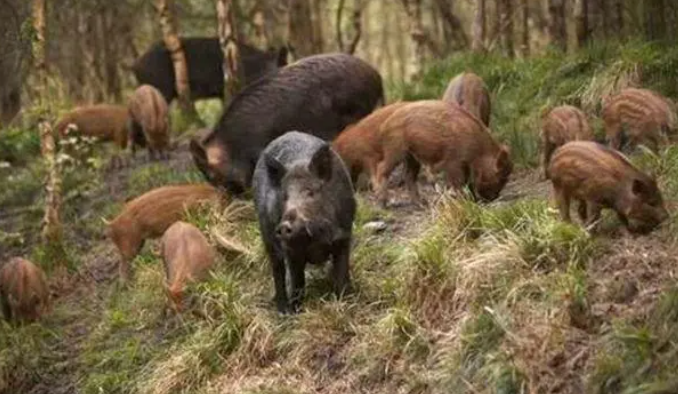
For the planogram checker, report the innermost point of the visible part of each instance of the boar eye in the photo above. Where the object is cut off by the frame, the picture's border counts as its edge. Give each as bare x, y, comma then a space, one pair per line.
310, 193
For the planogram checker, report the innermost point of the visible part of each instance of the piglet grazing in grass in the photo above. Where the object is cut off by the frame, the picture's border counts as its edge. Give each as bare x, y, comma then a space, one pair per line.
149, 215
305, 205
187, 257
149, 121
23, 290
560, 126
600, 177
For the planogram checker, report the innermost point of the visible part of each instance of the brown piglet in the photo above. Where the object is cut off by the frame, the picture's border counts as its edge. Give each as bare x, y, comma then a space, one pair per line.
359, 145
106, 122
149, 121
600, 177
446, 138
23, 290
639, 115
561, 125
469, 90
187, 257
149, 216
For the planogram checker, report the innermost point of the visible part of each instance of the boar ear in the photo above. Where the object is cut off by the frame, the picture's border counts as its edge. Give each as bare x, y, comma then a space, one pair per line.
639, 188
275, 169
321, 163
503, 158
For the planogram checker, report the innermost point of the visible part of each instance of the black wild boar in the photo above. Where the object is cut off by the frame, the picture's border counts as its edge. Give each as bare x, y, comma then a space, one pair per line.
204, 60
305, 204
319, 95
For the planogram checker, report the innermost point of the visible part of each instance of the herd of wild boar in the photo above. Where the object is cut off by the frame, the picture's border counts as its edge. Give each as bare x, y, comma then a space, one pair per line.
301, 135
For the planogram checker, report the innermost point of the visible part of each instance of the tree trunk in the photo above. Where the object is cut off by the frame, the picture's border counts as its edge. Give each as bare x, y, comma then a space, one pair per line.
173, 44
357, 27
581, 17
507, 27
478, 43
619, 17
260, 39
317, 25
525, 38
557, 32
604, 17
227, 39
51, 225
452, 24
300, 28
418, 36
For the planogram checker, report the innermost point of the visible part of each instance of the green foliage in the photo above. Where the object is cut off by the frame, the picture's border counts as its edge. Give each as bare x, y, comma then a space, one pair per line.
18, 145
522, 89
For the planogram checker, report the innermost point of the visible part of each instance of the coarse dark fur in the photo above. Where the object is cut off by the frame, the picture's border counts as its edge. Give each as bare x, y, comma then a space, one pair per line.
305, 205
319, 95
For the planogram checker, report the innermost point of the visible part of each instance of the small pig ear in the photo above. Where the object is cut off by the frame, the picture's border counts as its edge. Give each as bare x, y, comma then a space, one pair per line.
275, 169
503, 157
321, 163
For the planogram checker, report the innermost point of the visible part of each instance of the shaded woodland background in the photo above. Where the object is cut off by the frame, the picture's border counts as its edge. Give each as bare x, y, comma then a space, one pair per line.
92, 44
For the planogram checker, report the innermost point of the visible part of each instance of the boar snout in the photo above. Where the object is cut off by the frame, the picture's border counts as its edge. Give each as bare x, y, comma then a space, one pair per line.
291, 226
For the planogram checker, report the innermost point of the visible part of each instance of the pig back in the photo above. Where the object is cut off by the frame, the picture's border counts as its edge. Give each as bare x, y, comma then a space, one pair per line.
24, 287
470, 91
186, 253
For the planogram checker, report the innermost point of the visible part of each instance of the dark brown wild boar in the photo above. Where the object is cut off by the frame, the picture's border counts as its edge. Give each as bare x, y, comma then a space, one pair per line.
149, 120
149, 216
640, 116
319, 95
23, 290
446, 138
106, 122
360, 144
469, 91
187, 257
561, 125
600, 177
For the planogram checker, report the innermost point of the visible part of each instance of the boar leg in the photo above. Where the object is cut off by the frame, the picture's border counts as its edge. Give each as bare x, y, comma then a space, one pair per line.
384, 169
6, 309
278, 267
412, 167
341, 252
548, 151
563, 201
297, 265
592, 213
456, 177
582, 210
613, 131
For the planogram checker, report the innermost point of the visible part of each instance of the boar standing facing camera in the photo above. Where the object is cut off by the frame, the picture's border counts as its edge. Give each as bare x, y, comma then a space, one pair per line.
23, 290
640, 116
319, 95
187, 257
149, 216
149, 121
600, 177
305, 206
470, 91
447, 138
560, 126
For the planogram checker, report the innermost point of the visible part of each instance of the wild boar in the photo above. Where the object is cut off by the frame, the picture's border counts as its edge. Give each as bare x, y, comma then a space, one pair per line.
447, 138
360, 146
107, 122
187, 257
149, 215
149, 119
204, 60
640, 116
320, 95
305, 205
600, 177
469, 90
561, 125
23, 290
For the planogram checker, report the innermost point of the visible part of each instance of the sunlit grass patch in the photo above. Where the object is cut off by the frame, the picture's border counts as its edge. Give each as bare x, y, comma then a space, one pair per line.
156, 175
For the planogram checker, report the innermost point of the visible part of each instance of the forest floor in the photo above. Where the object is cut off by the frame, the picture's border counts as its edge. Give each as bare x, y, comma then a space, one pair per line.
550, 320
455, 297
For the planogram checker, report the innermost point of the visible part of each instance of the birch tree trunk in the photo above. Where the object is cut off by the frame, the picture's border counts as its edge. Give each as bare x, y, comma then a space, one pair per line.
173, 44
416, 30
300, 28
557, 32
232, 66
478, 41
51, 223
507, 27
